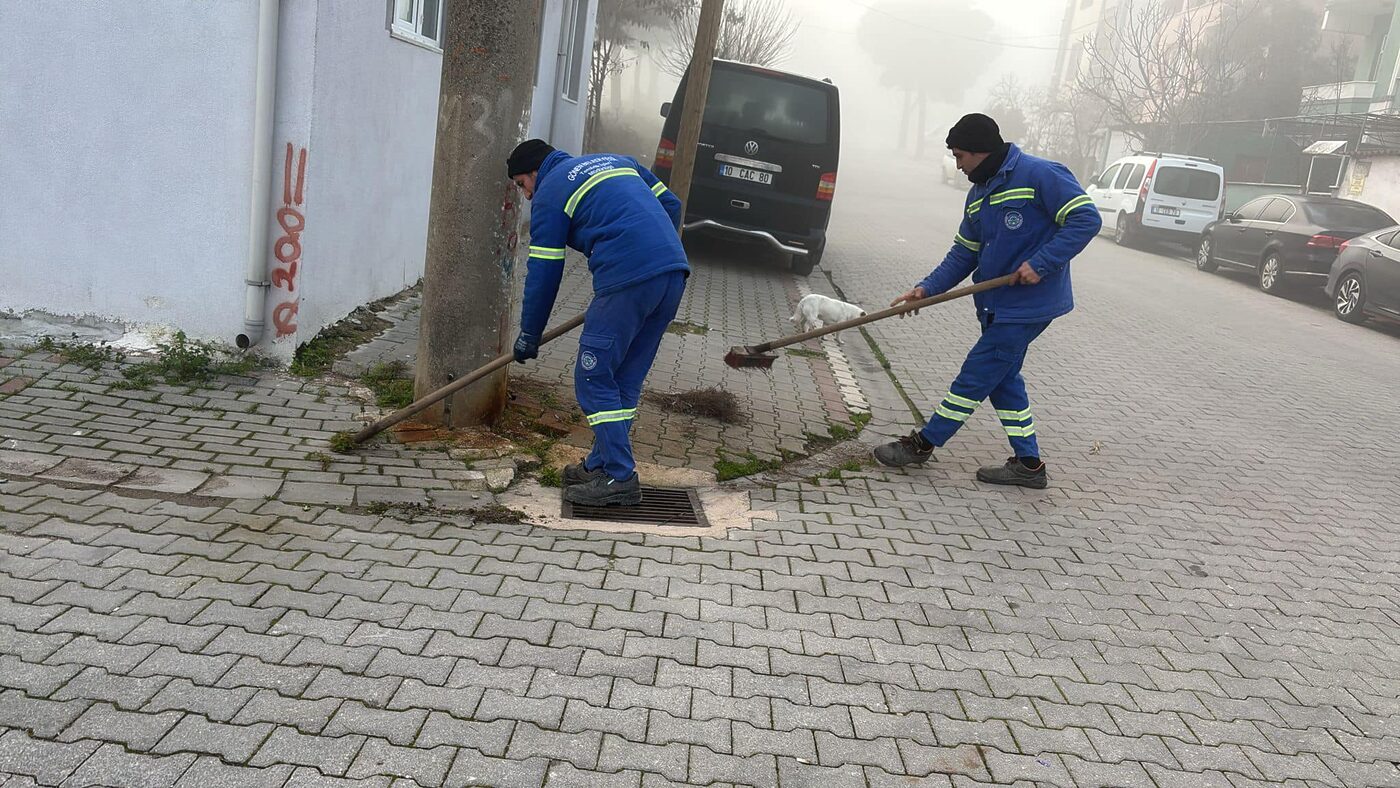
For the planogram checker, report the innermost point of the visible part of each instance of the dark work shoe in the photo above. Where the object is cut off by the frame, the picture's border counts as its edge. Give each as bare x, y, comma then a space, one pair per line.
1014, 472
912, 449
603, 491
577, 474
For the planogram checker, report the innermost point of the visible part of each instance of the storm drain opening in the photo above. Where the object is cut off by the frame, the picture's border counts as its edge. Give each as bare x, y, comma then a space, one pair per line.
666, 506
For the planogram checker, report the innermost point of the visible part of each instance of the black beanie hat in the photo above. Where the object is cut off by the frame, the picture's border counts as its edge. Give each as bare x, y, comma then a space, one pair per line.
527, 157
976, 133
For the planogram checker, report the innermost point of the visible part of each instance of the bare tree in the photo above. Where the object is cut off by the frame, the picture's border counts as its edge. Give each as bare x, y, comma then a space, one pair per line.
1009, 104
1160, 72
1280, 50
1341, 62
754, 31
621, 29
1063, 125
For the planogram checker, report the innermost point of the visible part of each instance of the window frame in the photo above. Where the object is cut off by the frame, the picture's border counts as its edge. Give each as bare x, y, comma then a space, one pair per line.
1289, 209
412, 32
1121, 182
1105, 181
1138, 176
1266, 200
575, 30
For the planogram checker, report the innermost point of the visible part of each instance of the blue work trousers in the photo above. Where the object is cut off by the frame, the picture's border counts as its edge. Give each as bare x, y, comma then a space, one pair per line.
621, 333
992, 370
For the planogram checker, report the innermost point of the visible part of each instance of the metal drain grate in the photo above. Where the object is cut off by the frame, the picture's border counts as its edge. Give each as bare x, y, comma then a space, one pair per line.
669, 506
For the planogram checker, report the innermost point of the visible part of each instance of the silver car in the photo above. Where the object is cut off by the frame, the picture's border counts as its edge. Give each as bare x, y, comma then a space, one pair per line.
1365, 278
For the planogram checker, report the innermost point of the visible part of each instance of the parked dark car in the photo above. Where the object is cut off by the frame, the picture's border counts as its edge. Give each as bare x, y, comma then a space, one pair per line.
765, 168
1365, 278
1286, 236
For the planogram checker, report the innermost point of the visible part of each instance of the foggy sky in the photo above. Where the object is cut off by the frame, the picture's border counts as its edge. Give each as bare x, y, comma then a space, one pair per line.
827, 45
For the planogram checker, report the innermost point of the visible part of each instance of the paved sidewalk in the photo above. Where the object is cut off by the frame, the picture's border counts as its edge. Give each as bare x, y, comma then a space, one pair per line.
1207, 596
266, 436
733, 297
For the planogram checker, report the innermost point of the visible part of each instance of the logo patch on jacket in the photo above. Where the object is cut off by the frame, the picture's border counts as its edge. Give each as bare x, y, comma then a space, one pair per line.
587, 360
1014, 220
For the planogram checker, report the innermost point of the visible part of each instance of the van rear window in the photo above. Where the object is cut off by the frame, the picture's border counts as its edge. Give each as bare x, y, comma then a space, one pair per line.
776, 107
1187, 183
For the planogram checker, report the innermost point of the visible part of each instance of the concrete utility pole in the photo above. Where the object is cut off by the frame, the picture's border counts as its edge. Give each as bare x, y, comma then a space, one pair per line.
488, 58
697, 90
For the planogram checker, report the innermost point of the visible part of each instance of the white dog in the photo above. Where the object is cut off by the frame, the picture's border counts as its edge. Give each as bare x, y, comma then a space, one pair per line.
818, 311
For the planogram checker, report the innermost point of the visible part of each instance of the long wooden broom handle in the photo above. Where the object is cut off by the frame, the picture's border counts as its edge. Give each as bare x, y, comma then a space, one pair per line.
980, 287
457, 385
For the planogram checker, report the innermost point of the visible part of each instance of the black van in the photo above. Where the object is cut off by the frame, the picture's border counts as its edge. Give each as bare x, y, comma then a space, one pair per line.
766, 164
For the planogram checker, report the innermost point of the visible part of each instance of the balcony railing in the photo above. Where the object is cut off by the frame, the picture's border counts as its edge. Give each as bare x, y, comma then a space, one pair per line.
1343, 98
1339, 91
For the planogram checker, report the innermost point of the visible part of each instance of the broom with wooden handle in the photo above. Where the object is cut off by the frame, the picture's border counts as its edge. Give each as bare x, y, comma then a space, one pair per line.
760, 357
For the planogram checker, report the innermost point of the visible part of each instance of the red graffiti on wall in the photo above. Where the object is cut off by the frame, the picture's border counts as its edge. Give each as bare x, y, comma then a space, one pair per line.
287, 250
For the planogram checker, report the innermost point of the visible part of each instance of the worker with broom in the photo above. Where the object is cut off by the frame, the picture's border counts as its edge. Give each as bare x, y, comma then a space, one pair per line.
625, 221
1026, 217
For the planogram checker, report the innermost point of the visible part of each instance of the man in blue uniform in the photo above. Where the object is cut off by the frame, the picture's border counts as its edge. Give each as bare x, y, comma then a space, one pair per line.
626, 223
1024, 216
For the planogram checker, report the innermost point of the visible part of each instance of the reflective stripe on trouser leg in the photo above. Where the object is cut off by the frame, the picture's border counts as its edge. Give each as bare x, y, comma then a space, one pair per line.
619, 342
636, 363
1013, 408
595, 387
951, 413
995, 358
1020, 428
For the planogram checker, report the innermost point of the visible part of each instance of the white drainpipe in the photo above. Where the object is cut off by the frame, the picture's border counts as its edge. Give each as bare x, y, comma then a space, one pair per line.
255, 271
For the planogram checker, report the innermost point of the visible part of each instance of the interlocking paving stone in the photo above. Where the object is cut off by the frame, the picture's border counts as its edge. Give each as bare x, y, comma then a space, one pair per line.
423, 766
233, 743
39, 716
111, 765
47, 761
1180, 608
210, 772
136, 730
330, 755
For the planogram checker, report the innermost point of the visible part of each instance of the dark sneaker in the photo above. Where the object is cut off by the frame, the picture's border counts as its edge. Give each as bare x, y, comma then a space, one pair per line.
1015, 473
912, 449
603, 491
577, 474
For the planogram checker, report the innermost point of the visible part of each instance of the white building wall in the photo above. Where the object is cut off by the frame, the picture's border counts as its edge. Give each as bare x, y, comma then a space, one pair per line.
125, 148
547, 73
373, 121
1375, 181
554, 117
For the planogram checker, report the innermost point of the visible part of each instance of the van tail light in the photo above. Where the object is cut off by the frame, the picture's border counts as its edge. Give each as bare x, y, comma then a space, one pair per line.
1147, 183
666, 153
1343, 247
826, 187
1324, 241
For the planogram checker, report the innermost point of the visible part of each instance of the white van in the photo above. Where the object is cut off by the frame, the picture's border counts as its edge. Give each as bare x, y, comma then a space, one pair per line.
1159, 196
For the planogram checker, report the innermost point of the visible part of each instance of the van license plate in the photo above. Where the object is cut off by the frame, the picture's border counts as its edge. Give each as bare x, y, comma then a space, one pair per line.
1166, 210
746, 174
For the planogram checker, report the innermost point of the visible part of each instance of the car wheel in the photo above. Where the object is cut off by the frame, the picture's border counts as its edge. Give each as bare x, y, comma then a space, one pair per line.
1351, 299
802, 264
1123, 234
1271, 274
1205, 255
